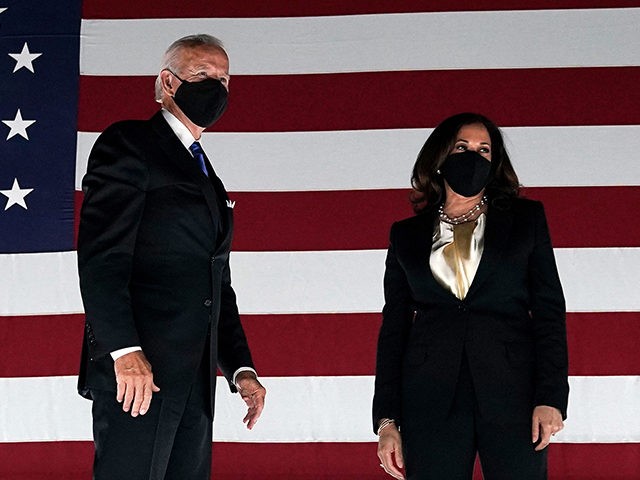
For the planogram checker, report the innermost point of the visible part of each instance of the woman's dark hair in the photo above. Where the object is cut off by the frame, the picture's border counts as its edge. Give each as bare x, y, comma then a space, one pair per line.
428, 185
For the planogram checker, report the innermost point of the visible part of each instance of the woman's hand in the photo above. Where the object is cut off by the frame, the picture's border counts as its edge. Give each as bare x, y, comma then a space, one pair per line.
546, 421
390, 446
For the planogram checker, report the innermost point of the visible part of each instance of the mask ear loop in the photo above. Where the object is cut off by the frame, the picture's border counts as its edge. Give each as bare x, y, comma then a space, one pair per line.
174, 74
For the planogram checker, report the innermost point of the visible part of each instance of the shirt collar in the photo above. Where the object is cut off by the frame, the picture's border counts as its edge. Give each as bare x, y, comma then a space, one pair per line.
181, 131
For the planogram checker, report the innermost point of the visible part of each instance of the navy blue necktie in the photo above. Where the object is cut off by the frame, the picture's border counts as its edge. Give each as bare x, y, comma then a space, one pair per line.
198, 154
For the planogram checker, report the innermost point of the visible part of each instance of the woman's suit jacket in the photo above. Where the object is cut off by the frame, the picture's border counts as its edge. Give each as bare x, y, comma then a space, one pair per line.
153, 257
511, 325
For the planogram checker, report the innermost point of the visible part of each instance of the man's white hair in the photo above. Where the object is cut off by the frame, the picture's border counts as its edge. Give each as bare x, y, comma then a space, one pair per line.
170, 61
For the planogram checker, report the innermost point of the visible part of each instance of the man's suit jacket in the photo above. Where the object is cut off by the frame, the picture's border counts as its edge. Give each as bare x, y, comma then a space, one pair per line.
511, 325
153, 259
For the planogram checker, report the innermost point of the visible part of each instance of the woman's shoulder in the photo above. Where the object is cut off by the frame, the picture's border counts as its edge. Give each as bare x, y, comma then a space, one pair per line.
418, 221
519, 205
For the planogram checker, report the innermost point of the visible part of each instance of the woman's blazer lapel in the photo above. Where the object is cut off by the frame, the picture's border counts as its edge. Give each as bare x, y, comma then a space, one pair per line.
421, 240
496, 236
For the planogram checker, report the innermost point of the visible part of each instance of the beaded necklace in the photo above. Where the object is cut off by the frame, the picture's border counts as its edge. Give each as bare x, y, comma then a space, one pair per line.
465, 217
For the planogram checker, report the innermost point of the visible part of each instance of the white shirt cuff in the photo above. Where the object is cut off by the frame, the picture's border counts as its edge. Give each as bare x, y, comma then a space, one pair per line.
116, 354
242, 369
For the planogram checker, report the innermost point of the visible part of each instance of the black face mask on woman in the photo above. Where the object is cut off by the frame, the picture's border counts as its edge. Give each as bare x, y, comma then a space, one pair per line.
202, 102
467, 173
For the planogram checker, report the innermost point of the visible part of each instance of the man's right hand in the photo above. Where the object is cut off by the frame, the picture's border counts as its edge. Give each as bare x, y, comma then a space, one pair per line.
135, 383
390, 448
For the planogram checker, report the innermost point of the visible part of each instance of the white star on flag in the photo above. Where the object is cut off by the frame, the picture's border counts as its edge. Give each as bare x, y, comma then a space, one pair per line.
24, 59
18, 126
16, 195
2, 9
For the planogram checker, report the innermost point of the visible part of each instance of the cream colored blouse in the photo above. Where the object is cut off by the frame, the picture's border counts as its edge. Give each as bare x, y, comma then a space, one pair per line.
456, 253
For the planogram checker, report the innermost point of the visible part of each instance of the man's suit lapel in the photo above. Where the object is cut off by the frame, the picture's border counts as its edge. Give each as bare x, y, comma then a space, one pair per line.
496, 236
226, 213
183, 160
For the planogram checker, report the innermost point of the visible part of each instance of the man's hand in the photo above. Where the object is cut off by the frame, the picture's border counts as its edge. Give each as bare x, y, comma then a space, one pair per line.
135, 383
253, 393
546, 421
390, 446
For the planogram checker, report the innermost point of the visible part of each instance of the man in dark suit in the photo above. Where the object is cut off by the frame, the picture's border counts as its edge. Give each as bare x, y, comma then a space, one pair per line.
153, 257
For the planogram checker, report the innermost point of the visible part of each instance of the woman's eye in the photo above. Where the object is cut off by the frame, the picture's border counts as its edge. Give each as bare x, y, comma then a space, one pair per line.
461, 147
484, 150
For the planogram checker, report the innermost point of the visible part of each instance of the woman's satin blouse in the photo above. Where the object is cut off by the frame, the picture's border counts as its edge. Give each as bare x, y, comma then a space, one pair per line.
455, 254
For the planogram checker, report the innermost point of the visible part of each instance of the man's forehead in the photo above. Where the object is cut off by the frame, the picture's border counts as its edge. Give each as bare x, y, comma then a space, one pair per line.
203, 57
204, 52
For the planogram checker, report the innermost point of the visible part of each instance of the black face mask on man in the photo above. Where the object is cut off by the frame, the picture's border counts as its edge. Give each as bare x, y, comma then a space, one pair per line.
467, 173
202, 102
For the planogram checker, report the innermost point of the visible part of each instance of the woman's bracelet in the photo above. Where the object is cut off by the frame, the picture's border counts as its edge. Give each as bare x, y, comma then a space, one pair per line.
385, 423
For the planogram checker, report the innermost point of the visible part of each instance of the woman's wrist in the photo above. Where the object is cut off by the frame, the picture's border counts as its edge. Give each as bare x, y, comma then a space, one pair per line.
384, 423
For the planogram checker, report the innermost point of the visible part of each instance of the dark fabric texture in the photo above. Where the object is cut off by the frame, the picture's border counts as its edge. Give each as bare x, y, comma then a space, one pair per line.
448, 450
172, 441
153, 258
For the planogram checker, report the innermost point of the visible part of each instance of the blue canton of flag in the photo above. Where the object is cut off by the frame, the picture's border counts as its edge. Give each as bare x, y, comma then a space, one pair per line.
39, 76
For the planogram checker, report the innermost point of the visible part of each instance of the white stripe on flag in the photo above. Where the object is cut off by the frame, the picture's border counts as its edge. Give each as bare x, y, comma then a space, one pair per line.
388, 42
383, 159
594, 280
39, 283
303, 409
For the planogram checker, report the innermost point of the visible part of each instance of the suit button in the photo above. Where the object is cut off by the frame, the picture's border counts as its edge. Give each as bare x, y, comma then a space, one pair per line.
207, 302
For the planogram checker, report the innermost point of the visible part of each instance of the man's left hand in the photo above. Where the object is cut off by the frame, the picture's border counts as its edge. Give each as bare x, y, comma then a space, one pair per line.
546, 421
253, 393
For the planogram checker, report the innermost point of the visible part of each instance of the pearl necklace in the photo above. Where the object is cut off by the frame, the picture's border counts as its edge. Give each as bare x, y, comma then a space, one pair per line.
465, 217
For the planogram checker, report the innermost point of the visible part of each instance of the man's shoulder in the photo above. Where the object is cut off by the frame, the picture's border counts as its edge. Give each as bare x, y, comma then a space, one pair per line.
126, 142
131, 135
128, 128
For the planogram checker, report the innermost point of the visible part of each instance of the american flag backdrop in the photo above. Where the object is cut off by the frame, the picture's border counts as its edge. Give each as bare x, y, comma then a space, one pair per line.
330, 103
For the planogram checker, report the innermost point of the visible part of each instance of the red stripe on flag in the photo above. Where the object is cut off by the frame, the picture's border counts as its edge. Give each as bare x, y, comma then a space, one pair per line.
589, 216
603, 343
299, 345
360, 219
336, 220
374, 100
53, 346
318, 461
98, 9
287, 345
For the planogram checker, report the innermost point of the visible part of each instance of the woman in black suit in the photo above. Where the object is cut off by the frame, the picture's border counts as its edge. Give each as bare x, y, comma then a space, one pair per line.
472, 354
